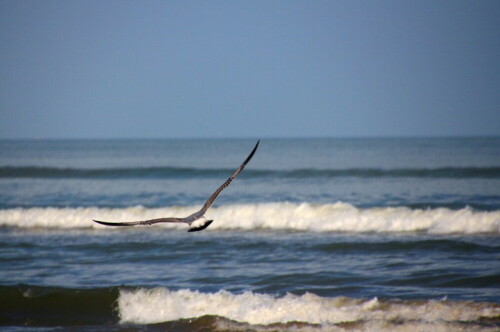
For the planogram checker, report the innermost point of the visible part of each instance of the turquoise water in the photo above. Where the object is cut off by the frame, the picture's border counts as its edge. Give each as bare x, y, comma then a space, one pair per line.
401, 233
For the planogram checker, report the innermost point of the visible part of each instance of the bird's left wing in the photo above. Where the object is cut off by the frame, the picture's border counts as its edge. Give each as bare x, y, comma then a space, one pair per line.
135, 223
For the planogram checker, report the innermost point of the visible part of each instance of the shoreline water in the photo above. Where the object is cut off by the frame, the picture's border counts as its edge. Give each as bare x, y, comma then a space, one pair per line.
400, 234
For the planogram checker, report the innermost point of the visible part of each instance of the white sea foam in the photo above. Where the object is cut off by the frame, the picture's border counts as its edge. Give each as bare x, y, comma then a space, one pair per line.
337, 217
144, 306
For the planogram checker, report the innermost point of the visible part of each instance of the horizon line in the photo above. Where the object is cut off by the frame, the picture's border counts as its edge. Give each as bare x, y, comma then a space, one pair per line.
247, 137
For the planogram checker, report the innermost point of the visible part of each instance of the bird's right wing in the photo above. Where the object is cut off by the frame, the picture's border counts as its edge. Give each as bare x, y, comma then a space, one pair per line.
212, 198
135, 223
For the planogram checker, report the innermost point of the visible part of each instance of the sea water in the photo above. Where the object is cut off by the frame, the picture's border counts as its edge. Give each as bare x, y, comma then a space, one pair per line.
314, 235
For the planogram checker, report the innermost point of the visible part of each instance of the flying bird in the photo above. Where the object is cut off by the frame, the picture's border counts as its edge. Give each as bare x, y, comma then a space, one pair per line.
197, 220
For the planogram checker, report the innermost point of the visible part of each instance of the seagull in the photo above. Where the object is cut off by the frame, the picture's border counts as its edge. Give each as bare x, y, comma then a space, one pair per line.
197, 220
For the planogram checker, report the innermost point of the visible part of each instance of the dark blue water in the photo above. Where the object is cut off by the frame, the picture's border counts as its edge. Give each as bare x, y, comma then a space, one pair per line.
377, 232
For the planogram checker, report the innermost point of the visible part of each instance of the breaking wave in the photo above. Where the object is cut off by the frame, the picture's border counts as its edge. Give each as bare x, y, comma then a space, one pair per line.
160, 308
147, 306
336, 217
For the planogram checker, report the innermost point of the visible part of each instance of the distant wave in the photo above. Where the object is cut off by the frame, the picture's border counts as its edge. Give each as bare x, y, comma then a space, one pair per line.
188, 172
337, 217
188, 310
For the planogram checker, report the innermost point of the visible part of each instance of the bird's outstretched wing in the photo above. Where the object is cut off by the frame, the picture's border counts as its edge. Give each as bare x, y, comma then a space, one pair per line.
143, 222
212, 198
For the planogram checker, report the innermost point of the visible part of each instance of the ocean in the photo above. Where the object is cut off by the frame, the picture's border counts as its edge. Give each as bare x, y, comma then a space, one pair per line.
381, 234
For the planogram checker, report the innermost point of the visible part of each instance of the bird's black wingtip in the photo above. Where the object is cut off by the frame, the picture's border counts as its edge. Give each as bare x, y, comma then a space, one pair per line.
252, 153
100, 222
105, 223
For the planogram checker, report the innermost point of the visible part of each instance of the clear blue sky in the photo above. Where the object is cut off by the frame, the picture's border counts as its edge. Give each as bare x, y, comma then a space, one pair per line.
177, 69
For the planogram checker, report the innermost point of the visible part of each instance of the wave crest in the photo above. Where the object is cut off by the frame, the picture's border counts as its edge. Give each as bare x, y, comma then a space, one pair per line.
337, 217
146, 306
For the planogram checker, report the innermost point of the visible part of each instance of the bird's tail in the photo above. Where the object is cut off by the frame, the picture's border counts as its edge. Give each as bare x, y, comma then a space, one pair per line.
200, 228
